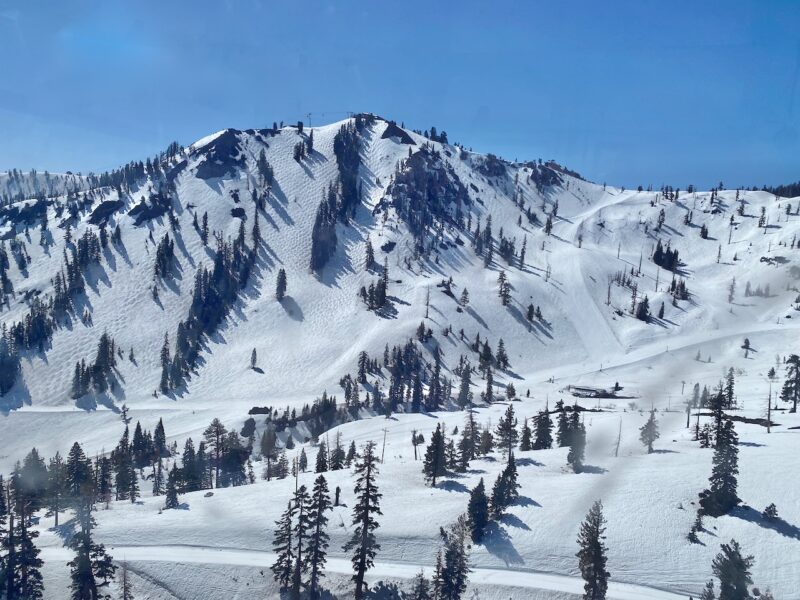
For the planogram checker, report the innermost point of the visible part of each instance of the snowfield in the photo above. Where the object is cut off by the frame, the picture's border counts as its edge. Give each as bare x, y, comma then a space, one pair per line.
220, 546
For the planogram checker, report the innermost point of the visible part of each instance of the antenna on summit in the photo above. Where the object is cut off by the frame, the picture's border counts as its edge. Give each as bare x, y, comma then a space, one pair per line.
308, 116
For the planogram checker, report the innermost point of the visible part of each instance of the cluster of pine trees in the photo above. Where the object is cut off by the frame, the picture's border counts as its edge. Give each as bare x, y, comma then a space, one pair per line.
666, 257
215, 291
95, 376
72, 484
301, 540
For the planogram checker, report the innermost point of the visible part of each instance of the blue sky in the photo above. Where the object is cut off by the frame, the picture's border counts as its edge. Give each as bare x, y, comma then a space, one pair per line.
624, 92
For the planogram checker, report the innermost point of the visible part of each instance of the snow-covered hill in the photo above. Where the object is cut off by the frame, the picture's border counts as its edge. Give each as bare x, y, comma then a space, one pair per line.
418, 203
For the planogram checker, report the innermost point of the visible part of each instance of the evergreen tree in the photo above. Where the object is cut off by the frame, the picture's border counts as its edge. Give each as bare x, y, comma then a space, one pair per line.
544, 431
478, 512
526, 441
733, 571
791, 387
367, 507
455, 567
280, 286
708, 591
300, 531
649, 432
506, 489
322, 459
56, 486
282, 568
464, 393
171, 500
160, 440
577, 445
563, 432
435, 462
319, 505
721, 496
158, 478
506, 431
592, 554
420, 588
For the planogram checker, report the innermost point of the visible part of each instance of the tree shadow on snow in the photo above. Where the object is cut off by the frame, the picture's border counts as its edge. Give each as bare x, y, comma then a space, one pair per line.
747, 513
528, 462
514, 521
498, 543
593, 469
525, 501
292, 308
452, 486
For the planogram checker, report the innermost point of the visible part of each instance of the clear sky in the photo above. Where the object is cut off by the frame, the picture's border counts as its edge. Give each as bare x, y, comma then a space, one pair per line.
624, 92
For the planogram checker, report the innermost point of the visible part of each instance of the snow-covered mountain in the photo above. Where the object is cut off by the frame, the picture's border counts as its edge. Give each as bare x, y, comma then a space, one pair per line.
715, 267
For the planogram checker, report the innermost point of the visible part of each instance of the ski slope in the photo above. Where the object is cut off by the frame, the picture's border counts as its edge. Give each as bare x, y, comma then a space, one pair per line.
306, 343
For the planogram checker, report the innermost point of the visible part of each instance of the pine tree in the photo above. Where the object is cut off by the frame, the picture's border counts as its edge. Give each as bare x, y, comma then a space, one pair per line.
526, 441
369, 256
577, 445
282, 568
506, 489
649, 432
171, 499
435, 462
464, 393
478, 511
733, 571
280, 285
158, 478
544, 431
300, 531
791, 387
455, 568
322, 459
319, 505
708, 591
488, 395
420, 588
302, 461
506, 432
563, 432
367, 506
56, 486
721, 496
592, 554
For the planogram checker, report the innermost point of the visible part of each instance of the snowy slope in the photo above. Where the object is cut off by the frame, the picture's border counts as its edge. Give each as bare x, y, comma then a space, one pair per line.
307, 342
